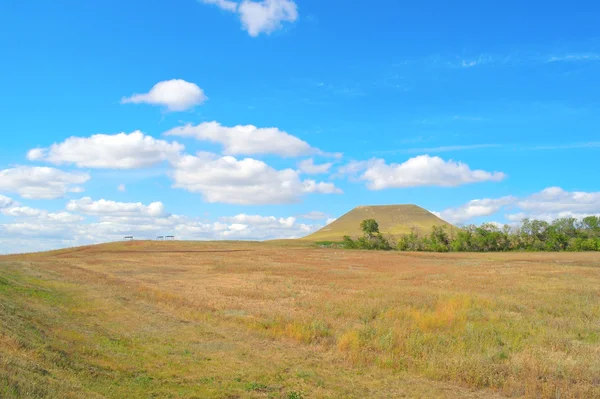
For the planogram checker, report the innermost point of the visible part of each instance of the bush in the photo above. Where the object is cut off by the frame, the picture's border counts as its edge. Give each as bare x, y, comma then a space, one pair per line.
370, 240
349, 243
565, 234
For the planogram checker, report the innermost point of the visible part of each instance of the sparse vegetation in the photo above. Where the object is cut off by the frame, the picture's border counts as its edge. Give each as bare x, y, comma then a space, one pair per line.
191, 320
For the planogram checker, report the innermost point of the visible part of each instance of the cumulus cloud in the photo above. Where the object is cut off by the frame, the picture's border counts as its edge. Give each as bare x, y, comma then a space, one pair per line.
23, 211
175, 95
266, 16
258, 17
554, 202
118, 151
41, 215
548, 204
423, 170
5, 202
244, 182
475, 208
267, 226
34, 229
260, 220
247, 140
41, 182
309, 167
104, 207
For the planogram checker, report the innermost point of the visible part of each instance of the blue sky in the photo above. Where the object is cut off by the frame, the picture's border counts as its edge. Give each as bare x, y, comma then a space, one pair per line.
205, 119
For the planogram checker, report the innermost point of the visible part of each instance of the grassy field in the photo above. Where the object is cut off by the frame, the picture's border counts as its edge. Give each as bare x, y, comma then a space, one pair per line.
250, 320
395, 220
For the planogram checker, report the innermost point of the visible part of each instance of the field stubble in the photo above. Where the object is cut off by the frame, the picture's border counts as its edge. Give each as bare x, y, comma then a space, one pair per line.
233, 320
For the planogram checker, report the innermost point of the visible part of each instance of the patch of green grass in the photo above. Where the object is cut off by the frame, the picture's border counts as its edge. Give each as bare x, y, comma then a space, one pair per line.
257, 386
364, 323
329, 244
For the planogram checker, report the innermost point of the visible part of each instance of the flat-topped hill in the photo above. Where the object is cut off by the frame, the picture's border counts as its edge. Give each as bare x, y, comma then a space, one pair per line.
392, 219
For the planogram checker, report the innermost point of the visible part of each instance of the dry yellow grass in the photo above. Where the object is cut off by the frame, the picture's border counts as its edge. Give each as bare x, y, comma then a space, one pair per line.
237, 320
395, 220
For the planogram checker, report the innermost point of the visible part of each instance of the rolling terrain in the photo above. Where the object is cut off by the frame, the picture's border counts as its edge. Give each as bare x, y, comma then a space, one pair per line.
393, 220
260, 320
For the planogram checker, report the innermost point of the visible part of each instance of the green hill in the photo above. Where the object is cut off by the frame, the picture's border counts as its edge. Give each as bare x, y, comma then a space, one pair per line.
393, 219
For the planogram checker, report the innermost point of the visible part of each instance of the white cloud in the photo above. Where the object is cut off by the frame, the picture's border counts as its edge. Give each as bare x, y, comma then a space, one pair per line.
34, 230
473, 62
22, 211
5, 202
422, 170
314, 215
475, 208
41, 215
247, 140
258, 17
548, 204
244, 182
175, 95
243, 225
104, 207
266, 16
260, 220
575, 57
554, 202
118, 151
37, 154
41, 182
32, 215
309, 167
226, 5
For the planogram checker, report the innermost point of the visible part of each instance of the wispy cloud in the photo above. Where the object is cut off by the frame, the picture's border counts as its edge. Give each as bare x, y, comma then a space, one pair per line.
473, 62
440, 149
451, 148
468, 118
339, 90
486, 59
437, 120
567, 146
574, 57
471, 147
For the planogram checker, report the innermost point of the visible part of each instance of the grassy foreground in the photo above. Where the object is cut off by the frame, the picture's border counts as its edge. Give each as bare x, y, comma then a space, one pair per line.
230, 320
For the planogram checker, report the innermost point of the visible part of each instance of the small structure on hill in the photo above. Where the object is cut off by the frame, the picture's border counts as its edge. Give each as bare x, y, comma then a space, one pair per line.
170, 238
128, 238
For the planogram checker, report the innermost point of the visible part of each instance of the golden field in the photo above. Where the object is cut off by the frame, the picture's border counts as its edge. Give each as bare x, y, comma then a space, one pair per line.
267, 320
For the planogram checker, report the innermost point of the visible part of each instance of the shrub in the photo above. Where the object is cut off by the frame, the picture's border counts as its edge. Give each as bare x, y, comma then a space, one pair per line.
565, 234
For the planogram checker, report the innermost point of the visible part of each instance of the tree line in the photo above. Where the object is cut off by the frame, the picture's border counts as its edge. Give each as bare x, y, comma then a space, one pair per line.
564, 234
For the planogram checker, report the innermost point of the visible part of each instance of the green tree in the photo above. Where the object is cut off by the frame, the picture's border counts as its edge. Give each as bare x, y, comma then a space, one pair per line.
591, 226
369, 227
349, 243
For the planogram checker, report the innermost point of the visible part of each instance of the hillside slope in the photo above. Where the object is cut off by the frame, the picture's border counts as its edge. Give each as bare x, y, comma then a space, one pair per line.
393, 219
